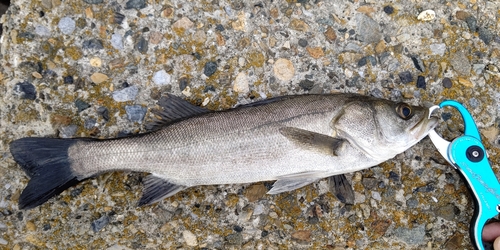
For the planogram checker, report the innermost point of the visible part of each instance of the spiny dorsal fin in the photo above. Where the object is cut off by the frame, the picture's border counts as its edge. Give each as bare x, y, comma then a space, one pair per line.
173, 108
156, 189
312, 140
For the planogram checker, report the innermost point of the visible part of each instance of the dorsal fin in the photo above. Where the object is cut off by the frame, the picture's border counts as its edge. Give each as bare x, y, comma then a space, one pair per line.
173, 108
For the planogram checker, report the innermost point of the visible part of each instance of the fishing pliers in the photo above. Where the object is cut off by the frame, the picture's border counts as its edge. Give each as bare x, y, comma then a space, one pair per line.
469, 157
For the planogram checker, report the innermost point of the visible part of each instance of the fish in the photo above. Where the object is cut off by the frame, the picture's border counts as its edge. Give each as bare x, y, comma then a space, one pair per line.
293, 140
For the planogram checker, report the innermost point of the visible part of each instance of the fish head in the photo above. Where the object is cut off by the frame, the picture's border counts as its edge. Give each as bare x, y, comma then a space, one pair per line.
381, 128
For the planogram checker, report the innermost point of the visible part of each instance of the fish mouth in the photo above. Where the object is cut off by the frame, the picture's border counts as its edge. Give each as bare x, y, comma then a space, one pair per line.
425, 125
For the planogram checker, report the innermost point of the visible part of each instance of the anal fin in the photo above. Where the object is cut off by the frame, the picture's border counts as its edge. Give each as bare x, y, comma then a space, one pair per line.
156, 189
312, 140
292, 182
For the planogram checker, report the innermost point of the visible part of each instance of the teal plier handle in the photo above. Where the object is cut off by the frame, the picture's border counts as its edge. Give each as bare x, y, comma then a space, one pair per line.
468, 155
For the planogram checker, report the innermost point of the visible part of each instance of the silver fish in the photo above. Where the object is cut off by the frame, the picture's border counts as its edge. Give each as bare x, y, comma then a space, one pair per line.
295, 140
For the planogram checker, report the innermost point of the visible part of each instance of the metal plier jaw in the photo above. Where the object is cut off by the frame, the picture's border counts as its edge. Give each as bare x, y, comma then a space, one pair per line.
468, 155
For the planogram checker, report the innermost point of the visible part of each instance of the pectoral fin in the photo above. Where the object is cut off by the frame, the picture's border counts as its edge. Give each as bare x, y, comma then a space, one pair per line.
292, 182
157, 189
312, 140
341, 188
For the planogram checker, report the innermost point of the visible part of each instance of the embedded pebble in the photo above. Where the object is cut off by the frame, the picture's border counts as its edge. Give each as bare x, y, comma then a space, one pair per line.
3, 241
93, 43
210, 68
471, 23
190, 238
183, 24
303, 42
367, 29
90, 123
98, 78
95, 62
486, 35
100, 223
241, 83
81, 105
447, 82
388, 9
413, 236
283, 69
438, 48
405, 77
126, 94
421, 82
306, 84
141, 45
460, 63
93, 1
68, 131
427, 15
66, 25
161, 77
42, 31
25, 90
104, 112
135, 4
117, 41
135, 113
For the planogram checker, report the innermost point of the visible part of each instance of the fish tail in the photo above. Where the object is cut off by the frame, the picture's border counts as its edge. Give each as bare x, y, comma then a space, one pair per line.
46, 162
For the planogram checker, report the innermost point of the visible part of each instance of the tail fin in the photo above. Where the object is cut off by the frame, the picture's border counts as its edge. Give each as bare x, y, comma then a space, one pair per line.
45, 161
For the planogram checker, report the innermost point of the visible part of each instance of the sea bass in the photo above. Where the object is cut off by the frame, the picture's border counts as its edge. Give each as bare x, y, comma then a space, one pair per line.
295, 140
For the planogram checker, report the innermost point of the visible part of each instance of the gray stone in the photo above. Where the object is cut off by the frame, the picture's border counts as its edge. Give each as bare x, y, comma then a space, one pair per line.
377, 93
89, 123
142, 45
68, 131
447, 83
369, 183
486, 35
438, 48
306, 84
126, 94
421, 82
100, 223
412, 236
161, 77
446, 212
474, 103
234, 239
471, 23
42, 31
117, 41
210, 68
405, 77
25, 90
460, 63
412, 203
66, 25
81, 105
135, 4
93, 1
93, 43
367, 29
135, 113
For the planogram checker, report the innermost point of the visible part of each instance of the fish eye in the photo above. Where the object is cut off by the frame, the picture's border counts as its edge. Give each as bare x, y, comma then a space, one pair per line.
404, 111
